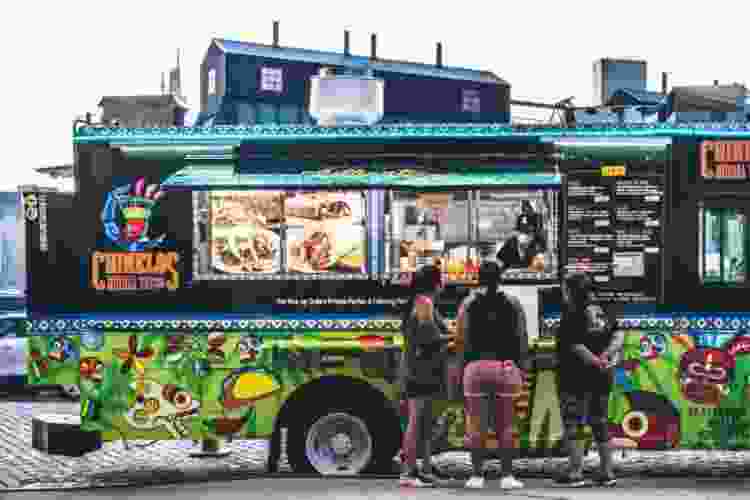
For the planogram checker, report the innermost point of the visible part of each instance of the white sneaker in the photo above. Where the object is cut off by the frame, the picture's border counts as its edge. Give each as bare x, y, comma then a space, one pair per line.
475, 483
510, 483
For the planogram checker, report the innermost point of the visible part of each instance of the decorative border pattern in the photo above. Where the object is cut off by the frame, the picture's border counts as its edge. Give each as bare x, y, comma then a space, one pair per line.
678, 322
79, 326
295, 131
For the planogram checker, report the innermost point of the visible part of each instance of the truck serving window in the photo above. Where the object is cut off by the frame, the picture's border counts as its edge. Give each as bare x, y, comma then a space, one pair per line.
723, 245
461, 228
264, 232
427, 228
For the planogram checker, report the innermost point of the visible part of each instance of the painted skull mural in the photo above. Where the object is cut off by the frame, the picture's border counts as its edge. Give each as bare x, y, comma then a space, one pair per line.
704, 375
162, 405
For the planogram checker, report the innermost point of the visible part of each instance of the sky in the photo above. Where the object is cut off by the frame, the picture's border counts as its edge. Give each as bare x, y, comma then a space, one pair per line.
62, 57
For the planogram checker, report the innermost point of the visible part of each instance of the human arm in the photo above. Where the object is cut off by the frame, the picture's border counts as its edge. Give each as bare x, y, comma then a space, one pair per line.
615, 347
587, 356
522, 334
427, 332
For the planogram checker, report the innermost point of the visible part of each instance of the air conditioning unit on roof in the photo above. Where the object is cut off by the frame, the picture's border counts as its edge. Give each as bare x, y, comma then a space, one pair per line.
346, 98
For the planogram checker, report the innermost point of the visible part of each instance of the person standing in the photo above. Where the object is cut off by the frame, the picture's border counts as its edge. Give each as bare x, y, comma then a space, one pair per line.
587, 348
427, 342
492, 328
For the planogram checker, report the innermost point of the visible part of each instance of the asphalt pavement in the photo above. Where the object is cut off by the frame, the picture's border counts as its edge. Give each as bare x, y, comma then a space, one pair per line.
169, 462
341, 489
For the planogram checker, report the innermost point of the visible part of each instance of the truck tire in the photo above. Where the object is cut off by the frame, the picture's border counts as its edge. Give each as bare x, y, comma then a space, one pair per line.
57, 434
71, 391
343, 440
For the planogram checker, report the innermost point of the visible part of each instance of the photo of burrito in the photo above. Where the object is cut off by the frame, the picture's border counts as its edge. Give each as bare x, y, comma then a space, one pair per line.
241, 235
301, 208
319, 248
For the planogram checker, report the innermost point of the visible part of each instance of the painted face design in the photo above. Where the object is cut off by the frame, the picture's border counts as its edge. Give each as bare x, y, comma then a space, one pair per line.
653, 346
60, 349
163, 406
704, 374
249, 348
92, 369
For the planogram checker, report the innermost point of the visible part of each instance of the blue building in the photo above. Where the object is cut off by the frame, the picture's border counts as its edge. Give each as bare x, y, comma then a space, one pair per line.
250, 83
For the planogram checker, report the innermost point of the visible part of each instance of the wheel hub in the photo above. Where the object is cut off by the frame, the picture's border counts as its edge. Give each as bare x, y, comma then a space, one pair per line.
341, 444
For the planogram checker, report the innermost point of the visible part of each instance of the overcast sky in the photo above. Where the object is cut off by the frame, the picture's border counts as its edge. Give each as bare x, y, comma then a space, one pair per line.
62, 57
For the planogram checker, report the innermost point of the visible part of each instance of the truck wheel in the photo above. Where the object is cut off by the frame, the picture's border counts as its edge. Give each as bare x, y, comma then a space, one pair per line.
343, 441
71, 391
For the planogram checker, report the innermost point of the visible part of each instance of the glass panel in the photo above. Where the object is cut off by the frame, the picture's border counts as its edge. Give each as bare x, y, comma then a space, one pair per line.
244, 232
432, 228
251, 232
733, 247
518, 228
712, 244
326, 231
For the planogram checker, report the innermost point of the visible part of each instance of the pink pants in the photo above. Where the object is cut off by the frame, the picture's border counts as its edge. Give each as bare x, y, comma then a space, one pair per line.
482, 379
418, 435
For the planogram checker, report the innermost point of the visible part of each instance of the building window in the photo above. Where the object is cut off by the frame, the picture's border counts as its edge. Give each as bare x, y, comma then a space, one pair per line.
271, 80
211, 81
723, 246
470, 101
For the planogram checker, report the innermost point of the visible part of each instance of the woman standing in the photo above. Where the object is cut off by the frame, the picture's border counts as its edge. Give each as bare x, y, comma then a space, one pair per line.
427, 340
492, 327
587, 347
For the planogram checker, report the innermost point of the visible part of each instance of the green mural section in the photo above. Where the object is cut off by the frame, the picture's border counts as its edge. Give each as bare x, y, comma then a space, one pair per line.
671, 390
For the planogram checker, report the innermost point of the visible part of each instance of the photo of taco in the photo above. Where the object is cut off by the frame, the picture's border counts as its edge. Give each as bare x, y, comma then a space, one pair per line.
320, 251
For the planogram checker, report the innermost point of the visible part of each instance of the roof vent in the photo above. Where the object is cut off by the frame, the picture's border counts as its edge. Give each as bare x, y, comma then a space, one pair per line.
276, 34
439, 55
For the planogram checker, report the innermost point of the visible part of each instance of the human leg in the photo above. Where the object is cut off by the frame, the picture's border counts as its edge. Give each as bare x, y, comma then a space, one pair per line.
599, 419
476, 410
425, 435
412, 443
573, 410
508, 385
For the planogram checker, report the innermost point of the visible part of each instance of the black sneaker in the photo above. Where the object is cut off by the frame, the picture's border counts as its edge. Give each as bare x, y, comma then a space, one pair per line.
605, 480
570, 481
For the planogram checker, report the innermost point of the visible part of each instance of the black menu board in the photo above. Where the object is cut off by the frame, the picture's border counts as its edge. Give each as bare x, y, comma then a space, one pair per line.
613, 229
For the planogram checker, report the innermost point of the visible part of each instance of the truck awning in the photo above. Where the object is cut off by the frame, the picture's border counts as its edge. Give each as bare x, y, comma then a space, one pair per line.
225, 177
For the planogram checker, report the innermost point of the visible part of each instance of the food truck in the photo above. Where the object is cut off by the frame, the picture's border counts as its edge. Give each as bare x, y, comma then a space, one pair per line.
228, 283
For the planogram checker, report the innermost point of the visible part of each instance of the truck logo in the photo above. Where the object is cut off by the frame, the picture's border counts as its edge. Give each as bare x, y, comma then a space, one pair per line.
127, 214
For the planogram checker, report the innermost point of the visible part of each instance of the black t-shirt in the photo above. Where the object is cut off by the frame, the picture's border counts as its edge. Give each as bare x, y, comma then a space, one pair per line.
592, 328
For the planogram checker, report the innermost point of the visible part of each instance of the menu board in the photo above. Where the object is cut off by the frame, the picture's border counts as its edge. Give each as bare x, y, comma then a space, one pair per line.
277, 233
614, 230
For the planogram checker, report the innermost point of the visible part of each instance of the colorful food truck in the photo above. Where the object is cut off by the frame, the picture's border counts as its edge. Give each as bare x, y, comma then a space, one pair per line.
232, 282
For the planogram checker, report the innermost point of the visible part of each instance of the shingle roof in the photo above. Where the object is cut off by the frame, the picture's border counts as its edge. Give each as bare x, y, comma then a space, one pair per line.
156, 101
707, 97
352, 61
644, 97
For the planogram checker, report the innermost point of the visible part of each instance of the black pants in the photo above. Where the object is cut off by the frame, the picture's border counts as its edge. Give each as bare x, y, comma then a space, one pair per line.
581, 407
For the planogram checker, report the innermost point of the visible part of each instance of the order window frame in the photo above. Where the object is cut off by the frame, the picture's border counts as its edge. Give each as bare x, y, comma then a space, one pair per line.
722, 208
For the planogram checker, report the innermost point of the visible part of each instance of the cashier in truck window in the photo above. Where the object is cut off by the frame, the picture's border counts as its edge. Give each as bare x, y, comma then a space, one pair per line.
526, 247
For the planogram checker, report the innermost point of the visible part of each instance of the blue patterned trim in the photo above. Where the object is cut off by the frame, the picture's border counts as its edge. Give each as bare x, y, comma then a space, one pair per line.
229, 135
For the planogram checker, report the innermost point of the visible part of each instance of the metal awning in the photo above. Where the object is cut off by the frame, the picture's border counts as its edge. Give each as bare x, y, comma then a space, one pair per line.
225, 177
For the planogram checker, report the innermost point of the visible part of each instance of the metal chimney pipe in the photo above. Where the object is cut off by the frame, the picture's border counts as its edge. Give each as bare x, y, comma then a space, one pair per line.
276, 34
346, 42
373, 46
664, 83
439, 55
716, 83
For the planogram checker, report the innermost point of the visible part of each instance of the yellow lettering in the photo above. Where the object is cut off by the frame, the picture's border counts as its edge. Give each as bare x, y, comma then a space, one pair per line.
96, 261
